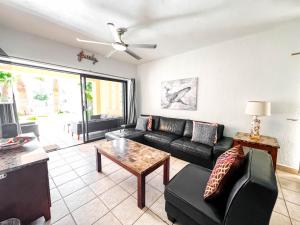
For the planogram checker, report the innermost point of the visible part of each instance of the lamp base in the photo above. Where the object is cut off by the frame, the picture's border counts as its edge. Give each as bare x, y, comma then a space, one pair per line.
255, 127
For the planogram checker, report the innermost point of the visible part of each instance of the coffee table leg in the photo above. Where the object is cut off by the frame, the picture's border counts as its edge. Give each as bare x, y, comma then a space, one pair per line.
98, 161
141, 191
166, 171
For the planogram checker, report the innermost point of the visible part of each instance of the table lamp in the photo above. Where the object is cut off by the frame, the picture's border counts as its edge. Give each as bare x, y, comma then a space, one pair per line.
256, 109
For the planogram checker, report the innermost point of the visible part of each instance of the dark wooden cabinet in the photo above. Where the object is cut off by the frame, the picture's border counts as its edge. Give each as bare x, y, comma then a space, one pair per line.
24, 194
24, 184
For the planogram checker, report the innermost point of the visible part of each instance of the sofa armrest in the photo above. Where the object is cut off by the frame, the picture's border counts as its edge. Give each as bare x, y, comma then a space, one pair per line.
125, 126
222, 146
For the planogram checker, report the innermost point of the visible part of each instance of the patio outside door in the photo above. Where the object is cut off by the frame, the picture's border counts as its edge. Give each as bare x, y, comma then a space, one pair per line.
103, 106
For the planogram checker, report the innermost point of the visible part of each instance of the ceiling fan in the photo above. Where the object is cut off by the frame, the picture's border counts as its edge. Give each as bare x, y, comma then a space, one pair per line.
119, 44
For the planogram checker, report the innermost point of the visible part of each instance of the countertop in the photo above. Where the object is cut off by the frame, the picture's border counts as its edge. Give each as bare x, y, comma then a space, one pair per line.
14, 159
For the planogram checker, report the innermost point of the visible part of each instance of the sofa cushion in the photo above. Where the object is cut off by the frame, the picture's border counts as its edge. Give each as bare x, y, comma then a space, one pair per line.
174, 126
188, 130
141, 123
193, 148
160, 139
205, 133
225, 173
189, 198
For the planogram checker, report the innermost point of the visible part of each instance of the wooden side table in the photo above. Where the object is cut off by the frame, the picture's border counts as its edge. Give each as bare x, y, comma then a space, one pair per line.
268, 144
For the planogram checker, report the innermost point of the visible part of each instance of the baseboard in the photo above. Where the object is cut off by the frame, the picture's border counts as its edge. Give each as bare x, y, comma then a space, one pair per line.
287, 169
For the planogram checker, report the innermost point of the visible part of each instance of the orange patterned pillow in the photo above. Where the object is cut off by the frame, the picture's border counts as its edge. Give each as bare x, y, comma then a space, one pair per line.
149, 124
224, 173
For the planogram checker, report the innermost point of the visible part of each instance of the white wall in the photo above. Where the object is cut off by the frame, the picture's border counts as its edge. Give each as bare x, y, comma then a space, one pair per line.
24, 45
256, 67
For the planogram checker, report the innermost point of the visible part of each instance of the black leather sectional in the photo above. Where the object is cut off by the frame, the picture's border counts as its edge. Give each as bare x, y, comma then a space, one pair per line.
174, 136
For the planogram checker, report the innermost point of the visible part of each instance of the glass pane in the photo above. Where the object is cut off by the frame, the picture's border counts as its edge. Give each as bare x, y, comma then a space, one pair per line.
105, 107
48, 104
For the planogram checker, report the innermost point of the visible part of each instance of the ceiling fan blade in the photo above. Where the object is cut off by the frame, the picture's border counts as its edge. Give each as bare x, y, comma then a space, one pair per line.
111, 53
133, 54
93, 42
114, 32
142, 45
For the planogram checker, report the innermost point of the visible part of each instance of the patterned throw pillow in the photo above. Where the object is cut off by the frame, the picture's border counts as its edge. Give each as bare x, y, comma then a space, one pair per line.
224, 173
149, 124
205, 133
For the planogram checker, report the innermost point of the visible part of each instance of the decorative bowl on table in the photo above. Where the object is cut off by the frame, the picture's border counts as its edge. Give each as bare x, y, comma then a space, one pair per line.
14, 142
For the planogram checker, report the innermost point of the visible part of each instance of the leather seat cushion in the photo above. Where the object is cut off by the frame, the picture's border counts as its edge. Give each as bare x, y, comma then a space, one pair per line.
160, 137
190, 200
170, 125
194, 148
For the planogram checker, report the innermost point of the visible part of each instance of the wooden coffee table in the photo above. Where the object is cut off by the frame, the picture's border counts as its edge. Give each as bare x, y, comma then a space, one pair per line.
138, 159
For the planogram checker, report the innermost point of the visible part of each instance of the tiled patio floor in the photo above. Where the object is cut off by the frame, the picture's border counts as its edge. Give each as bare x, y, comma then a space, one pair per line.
82, 196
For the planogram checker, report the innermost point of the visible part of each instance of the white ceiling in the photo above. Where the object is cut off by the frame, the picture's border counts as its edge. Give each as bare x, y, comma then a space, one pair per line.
175, 25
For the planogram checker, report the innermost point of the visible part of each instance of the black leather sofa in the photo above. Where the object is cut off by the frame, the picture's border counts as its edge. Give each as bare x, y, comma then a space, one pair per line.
174, 136
250, 201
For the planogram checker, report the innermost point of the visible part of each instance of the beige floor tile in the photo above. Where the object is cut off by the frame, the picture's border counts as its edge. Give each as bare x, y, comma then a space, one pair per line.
102, 185
58, 211
279, 219
60, 170
79, 198
295, 222
90, 212
92, 177
56, 163
290, 185
119, 175
51, 183
157, 182
79, 163
110, 168
85, 169
294, 210
150, 176
291, 196
129, 185
54, 195
280, 207
289, 176
108, 219
71, 186
67, 220
152, 195
64, 178
159, 209
73, 158
113, 196
279, 190
128, 211
149, 218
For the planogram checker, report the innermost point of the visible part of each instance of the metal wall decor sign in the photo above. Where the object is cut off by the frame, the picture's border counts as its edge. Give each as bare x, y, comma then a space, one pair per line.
81, 55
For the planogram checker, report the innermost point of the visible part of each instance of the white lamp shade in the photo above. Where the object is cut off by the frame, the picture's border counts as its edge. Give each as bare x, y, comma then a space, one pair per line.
258, 108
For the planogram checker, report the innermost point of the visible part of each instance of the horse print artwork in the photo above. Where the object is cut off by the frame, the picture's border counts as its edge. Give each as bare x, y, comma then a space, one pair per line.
179, 94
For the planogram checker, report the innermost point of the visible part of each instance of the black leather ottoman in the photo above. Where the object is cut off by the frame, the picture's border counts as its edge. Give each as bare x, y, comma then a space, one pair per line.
132, 134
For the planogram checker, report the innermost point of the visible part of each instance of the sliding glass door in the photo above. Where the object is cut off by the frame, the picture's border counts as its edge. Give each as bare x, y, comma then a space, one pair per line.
47, 104
63, 108
104, 105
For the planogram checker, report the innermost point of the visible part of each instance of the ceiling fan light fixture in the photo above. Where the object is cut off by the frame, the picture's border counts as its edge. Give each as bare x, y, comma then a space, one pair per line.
119, 46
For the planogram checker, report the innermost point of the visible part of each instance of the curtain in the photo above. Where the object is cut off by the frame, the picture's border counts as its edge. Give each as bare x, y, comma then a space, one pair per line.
131, 102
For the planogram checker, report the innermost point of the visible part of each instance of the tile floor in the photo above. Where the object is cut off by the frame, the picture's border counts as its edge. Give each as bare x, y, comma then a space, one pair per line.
82, 196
